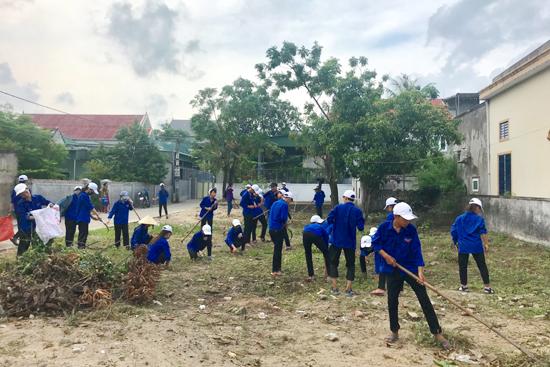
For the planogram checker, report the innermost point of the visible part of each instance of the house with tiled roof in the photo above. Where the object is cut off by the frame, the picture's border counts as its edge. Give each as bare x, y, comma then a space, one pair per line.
82, 132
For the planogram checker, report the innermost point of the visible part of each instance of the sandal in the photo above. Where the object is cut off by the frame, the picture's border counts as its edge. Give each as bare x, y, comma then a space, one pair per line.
378, 292
463, 288
488, 290
392, 338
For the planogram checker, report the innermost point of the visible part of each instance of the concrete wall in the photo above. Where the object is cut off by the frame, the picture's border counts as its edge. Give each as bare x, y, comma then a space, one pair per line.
527, 219
526, 107
8, 175
472, 154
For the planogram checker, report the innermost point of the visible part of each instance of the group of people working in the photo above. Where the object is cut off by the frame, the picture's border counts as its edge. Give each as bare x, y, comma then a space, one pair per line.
394, 241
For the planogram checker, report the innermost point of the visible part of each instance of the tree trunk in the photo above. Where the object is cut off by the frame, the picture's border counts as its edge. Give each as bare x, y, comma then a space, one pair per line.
225, 171
366, 197
332, 180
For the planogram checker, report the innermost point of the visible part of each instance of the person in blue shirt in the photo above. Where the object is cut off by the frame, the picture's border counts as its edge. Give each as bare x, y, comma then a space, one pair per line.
378, 261
258, 214
345, 219
71, 214
234, 239
121, 210
398, 243
315, 234
470, 237
85, 212
163, 196
201, 240
270, 197
159, 250
25, 204
248, 205
141, 234
366, 250
14, 199
319, 200
277, 224
208, 205
281, 194
245, 190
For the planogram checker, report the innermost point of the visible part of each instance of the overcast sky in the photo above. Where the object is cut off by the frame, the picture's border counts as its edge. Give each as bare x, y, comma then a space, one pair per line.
152, 56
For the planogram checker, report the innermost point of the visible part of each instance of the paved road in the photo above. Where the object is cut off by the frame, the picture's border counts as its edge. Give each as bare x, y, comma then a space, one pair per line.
153, 211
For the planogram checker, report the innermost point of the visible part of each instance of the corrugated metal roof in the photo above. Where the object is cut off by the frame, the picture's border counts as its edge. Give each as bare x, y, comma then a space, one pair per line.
85, 127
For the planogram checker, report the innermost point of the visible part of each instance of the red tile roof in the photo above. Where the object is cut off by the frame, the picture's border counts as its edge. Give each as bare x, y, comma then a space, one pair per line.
85, 127
437, 102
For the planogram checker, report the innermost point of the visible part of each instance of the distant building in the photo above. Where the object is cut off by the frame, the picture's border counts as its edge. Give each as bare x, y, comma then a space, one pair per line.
184, 125
82, 132
518, 118
461, 103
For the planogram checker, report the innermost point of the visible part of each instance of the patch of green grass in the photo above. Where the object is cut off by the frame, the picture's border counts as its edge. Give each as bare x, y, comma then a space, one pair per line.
423, 337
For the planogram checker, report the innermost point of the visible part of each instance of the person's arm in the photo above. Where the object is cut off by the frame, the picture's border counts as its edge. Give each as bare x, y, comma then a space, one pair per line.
203, 204
360, 220
417, 246
388, 258
484, 235
168, 254
331, 216
112, 212
454, 233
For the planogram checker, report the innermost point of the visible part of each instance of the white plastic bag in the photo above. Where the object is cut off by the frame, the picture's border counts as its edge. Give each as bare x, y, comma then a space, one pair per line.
47, 222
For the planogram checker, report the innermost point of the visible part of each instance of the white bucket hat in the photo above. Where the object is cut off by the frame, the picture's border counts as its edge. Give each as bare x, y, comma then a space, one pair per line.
316, 219
236, 222
207, 230
78, 187
404, 210
390, 201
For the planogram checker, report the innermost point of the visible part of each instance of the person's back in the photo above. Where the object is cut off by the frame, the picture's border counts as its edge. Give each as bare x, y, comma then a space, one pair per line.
278, 215
159, 251
84, 207
345, 219
467, 230
318, 230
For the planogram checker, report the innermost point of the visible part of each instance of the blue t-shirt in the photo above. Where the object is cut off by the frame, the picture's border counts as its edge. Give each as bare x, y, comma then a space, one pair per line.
345, 219
198, 242
163, 196
269, 198
206, 202
232, 235
317, 229
72, 211
121, 210
319, 198
466, 231
278, 215
404, 247
140, 236
161, 246
85, 206
23, 209
247, 200
257, 212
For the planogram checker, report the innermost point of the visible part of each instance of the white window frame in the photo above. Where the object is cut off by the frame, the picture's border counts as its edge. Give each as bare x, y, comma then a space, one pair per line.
475, 182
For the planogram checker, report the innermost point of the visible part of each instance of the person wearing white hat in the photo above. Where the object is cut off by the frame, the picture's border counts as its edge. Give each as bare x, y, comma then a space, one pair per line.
248, 205
365, 250
85, 212
283, 187
469, 236
390, 203
397, 241
234, 238
25, 205
208, 205
201, 240
245, 190
315, 234
121, 212
258, 214
141, 235
319, 200
277, 223
68, 207
163, 196
378, 261
345, 219
159, 250
14, 199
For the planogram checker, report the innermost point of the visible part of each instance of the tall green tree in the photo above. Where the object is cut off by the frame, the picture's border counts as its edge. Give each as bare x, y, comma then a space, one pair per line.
134, 158
405, 82
37, 154
233, 125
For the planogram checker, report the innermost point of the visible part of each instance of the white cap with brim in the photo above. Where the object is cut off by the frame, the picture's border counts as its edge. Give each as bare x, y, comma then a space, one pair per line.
350, 194
372, 231
236, 222
207, 230
93, 186
19, 189
404, 210
78, 187
390, 201
167, 228
23, 178
148, 220
288, 194
248, 186
477, 202
316, 219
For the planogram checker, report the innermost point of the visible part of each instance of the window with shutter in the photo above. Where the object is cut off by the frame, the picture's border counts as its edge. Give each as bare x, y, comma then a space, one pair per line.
504, 130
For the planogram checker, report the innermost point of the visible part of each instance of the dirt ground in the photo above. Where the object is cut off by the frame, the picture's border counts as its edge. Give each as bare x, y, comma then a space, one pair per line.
230, 312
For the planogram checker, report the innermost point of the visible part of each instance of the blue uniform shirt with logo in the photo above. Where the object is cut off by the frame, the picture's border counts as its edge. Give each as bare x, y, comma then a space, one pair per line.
269, 199
345, 219
466, 231
404, 247
197, 243
247, 200
232, 235
161, 246
207, 202
140, 236
256, 212
85, 206
319, 198
23, 209
121, 210
278, 215
317, 229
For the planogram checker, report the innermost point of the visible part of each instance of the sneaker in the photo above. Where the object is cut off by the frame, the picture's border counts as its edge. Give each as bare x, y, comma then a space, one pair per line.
210, 258
488, 290
288, 248
350, 293
463, 288
335, 291
378, 292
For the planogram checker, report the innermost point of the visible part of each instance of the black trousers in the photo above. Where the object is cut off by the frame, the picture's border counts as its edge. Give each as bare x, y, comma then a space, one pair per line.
334, 260
193, 254
24, 242
263, 221
165, 206
395, 284
286, 238
277, 236
481, 265
122, 228
209, 221
82, 234
70, 230
249, 227
319, 210
313, 239
382, 281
